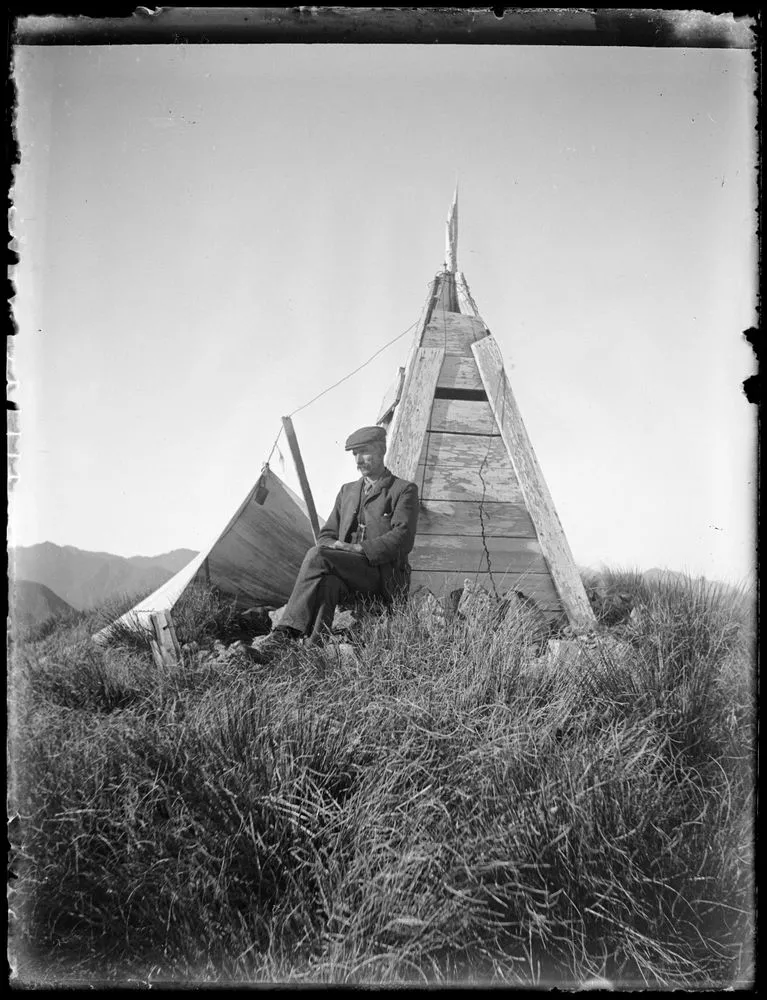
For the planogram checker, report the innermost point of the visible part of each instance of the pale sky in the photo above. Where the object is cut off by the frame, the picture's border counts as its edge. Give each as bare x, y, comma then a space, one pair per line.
211, 235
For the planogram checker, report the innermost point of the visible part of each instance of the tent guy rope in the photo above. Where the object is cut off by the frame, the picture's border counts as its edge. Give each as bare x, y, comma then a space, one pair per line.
339, 382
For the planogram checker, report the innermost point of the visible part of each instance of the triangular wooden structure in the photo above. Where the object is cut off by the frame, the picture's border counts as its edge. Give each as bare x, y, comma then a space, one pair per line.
455, 429
254, 560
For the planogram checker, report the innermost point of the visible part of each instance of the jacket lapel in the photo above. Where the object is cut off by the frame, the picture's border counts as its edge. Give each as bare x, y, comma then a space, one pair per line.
383, 483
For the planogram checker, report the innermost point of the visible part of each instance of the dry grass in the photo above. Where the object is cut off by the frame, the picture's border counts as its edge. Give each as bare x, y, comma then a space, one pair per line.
448, 809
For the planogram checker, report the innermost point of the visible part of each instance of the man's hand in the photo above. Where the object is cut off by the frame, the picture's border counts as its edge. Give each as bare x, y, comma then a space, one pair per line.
347, 547
333, 543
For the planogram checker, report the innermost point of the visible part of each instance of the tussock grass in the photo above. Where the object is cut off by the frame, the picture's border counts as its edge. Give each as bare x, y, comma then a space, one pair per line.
447, 808
36, 631
613, 593
201, 616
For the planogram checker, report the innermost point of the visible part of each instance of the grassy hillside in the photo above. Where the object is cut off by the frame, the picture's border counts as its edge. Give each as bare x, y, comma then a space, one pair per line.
447, 806
32, 603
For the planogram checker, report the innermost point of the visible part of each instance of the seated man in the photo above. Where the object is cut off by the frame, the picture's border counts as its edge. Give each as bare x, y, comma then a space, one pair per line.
362, 548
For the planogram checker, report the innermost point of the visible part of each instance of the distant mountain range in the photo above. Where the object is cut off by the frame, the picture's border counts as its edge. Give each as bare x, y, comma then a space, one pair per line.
85, 580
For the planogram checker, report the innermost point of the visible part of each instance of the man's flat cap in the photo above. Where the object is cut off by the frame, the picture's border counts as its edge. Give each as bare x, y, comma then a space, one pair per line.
365, 435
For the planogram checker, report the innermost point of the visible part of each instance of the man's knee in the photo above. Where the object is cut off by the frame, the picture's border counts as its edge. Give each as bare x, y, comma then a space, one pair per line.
315, 558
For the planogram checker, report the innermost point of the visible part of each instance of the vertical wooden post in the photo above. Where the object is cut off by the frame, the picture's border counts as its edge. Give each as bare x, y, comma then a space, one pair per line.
165, 647
287, 423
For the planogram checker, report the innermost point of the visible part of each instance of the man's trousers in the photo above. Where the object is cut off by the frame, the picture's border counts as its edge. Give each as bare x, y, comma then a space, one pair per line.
327, 575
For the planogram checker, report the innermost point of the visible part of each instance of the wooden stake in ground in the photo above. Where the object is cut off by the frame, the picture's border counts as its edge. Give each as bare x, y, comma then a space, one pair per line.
295, 451
164, 643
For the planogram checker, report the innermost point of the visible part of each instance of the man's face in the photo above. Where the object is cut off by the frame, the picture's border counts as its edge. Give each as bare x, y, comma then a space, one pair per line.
369, 459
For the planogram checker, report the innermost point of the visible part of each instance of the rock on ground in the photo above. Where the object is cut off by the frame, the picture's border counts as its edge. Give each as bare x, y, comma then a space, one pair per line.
341, 652
258, 619
583, 650
343, 621
276, 615
475, 602
430, 612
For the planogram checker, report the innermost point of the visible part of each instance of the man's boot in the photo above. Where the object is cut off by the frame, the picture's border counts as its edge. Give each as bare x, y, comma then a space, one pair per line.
280, 639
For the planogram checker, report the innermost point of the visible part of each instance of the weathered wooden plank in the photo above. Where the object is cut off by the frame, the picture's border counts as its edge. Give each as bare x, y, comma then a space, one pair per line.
452, 331
446, 298
414, 345
494, 482
466, 467
538, 587
462, 517
164, 643
535, 491
393, 396
466, 303
459, 373
303, 479
468, 553
463, 416
463, 451
412, 413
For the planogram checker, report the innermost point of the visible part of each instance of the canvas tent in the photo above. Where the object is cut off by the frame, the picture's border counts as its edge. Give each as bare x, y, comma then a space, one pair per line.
454, 428
255, 559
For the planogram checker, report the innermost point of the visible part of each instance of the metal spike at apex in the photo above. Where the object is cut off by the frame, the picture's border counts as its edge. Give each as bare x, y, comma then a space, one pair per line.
451, 235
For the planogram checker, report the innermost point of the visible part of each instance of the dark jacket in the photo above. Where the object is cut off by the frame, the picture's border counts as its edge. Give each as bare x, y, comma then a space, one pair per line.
390, 513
